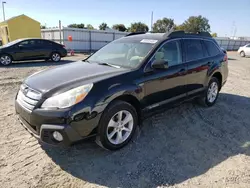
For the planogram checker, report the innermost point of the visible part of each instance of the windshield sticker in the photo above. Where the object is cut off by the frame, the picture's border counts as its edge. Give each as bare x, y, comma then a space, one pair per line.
148, 41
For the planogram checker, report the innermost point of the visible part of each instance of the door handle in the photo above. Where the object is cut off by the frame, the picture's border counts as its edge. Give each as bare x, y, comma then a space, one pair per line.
210, 63
182, 71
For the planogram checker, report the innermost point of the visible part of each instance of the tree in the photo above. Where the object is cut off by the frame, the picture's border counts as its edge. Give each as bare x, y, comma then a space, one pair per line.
195, 24
163, 25
103, 26
214, 34
76, 25
43, 27
119, 27
89, 26
138, 27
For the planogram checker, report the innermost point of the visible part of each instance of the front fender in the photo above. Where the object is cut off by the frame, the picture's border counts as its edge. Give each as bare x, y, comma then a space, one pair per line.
116, 91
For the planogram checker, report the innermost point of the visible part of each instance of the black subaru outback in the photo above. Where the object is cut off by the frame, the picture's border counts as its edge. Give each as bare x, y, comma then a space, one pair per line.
109, 93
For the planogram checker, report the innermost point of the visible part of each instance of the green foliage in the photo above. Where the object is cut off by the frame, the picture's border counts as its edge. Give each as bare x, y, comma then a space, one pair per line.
43, 27
76, 25
214, 34
89, 26
195, 24
138, 27
163, 25
119, 27
103, 26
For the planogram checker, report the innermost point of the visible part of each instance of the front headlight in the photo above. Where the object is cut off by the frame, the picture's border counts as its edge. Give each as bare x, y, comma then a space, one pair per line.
68, 98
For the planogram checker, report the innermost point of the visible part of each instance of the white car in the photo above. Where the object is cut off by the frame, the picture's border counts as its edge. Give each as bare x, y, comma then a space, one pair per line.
244, 50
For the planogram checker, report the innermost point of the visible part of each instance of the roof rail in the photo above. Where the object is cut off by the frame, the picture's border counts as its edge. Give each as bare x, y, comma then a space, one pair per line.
183, 33
134, 33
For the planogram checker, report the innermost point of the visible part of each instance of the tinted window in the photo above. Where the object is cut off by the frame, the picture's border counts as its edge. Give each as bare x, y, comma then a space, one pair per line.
44, 42
170, 52
212, 48
248, 46
27, 43
193, 49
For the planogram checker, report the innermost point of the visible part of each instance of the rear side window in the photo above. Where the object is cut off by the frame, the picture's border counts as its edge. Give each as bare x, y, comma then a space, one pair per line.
44, 42
211, 48
194, 49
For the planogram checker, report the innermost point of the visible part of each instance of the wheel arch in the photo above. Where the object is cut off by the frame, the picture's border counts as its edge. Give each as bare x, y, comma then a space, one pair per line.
131, 99
218, 75
8, 55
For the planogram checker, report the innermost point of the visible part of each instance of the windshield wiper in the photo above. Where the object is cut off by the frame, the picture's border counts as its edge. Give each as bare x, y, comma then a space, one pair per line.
108, 64
85, 60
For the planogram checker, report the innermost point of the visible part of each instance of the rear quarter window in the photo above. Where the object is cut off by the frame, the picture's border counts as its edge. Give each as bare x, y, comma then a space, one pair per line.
212, 49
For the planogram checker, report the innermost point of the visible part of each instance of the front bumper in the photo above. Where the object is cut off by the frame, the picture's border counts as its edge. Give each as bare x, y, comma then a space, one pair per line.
42, 123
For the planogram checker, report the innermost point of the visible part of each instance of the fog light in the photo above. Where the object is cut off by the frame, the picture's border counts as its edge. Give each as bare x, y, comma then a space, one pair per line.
57, 136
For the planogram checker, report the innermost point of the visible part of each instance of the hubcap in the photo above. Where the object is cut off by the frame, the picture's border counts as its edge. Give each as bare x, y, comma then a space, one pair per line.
120, 127
212, 92
5, 60
56, 57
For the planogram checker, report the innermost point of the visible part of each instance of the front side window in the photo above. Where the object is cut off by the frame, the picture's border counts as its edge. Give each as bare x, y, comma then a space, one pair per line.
170, 52
212, 48
194, 49
124, 53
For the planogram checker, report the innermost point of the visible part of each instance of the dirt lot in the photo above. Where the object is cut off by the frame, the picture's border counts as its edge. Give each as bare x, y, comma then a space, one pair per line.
188, 146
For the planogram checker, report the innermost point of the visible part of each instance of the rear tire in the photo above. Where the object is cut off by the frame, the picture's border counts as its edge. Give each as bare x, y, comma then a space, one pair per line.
5, 59
211, 93
117, 125
55, 57
242, 54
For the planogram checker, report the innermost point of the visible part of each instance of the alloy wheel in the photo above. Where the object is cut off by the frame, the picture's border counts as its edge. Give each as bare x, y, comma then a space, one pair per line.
56, 57
5, 60
120, 127
212, 92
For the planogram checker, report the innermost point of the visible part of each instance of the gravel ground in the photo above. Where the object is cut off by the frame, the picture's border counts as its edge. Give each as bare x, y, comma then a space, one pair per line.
187, 146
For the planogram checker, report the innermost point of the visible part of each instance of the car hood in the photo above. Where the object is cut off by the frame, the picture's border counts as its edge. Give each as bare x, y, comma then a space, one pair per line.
71, 75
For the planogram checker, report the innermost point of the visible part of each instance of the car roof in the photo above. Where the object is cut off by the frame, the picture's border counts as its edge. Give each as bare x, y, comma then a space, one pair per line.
155, 36
163, 36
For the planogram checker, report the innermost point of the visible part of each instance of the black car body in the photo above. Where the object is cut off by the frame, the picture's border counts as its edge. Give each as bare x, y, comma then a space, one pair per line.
31, 49
195, 66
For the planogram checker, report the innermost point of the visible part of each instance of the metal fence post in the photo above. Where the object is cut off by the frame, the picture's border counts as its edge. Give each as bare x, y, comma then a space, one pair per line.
114, 36
90, 42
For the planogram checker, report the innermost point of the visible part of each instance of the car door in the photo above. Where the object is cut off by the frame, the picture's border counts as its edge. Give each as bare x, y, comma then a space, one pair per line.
247, 50
26, 50
197, 65
163, 86
44, 47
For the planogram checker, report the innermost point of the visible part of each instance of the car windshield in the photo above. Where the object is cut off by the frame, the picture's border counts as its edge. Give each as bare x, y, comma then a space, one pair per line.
122, 53
13, 42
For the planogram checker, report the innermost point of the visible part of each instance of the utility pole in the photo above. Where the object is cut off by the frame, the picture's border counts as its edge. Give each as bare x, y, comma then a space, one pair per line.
60, 31
3, 2
152, 16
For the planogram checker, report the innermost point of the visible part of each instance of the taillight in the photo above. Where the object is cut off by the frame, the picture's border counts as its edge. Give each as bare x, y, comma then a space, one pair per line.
225, 58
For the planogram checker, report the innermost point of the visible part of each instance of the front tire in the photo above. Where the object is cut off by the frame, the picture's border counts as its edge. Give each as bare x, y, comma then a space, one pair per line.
117, 125
55, 57
211, 93
5, 60
242, 54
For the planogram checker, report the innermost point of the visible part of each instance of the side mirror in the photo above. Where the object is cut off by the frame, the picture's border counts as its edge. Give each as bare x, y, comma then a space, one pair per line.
20, 46
160, 64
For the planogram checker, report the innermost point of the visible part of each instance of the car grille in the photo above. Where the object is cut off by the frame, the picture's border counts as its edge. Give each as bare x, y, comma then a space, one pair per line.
28, 98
